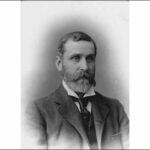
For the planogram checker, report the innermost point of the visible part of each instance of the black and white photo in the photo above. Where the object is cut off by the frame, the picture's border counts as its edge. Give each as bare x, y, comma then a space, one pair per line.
75, 75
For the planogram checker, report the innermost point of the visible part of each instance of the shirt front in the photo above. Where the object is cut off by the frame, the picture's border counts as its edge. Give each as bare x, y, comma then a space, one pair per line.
70, 92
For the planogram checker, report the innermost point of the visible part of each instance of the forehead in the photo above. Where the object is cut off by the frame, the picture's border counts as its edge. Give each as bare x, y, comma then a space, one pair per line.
79, 47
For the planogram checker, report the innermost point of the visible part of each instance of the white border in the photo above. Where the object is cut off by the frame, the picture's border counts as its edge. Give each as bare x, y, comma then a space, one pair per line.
139, 74
10, 41
10, 74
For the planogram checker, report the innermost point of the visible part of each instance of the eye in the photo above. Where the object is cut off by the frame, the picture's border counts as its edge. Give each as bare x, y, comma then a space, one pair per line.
76, 58
90, 58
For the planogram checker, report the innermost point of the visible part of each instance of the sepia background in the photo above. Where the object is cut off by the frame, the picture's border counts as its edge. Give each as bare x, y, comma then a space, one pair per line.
44, 22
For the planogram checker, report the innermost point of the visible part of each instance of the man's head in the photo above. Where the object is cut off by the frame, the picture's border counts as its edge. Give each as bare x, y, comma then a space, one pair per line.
76, 61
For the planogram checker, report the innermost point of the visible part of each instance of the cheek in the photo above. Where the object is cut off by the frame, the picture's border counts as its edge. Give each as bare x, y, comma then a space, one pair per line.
70, 68
92, 68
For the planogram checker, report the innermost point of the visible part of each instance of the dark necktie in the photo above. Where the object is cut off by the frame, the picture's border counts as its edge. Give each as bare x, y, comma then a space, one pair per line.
87, 119
85, 114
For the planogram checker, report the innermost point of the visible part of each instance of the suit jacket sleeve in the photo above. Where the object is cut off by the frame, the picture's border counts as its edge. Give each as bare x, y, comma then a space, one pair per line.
124, 127
37, 128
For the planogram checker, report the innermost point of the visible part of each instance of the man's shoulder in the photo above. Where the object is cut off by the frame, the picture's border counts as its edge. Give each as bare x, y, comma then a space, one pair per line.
44, 101
50, 100
114, 106
107, 101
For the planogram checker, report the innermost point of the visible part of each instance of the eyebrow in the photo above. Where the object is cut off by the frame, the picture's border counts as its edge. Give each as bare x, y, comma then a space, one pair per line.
78, 54
75, 54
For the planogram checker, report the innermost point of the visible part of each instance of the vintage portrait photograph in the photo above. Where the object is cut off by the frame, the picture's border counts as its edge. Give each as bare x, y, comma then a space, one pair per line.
75, 75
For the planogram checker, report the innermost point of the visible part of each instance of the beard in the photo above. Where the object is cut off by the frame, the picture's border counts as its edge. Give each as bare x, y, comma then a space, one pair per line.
80, 81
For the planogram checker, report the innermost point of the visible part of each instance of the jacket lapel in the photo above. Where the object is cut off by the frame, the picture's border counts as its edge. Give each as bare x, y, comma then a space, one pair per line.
100, 112
70, 112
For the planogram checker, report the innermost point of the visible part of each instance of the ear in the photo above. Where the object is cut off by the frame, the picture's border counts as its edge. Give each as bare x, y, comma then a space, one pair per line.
59, 63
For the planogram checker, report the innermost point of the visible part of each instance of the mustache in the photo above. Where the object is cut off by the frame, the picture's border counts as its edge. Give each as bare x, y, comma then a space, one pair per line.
81, 74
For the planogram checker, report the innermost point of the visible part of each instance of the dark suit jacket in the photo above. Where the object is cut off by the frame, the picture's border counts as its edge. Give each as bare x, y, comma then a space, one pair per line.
58, 122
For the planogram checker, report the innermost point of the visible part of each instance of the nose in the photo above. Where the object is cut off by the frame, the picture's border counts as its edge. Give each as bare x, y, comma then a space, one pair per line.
83, 64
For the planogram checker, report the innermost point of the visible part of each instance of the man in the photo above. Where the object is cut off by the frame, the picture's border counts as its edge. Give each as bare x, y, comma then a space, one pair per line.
75, 116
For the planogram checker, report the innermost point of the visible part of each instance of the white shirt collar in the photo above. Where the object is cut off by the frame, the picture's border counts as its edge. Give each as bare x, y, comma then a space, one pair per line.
70, 92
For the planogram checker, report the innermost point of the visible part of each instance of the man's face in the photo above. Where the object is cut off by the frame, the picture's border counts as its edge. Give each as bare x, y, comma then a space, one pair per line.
78, 65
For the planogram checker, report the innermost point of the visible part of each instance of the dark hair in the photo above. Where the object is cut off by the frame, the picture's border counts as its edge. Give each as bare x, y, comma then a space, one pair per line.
75, 36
